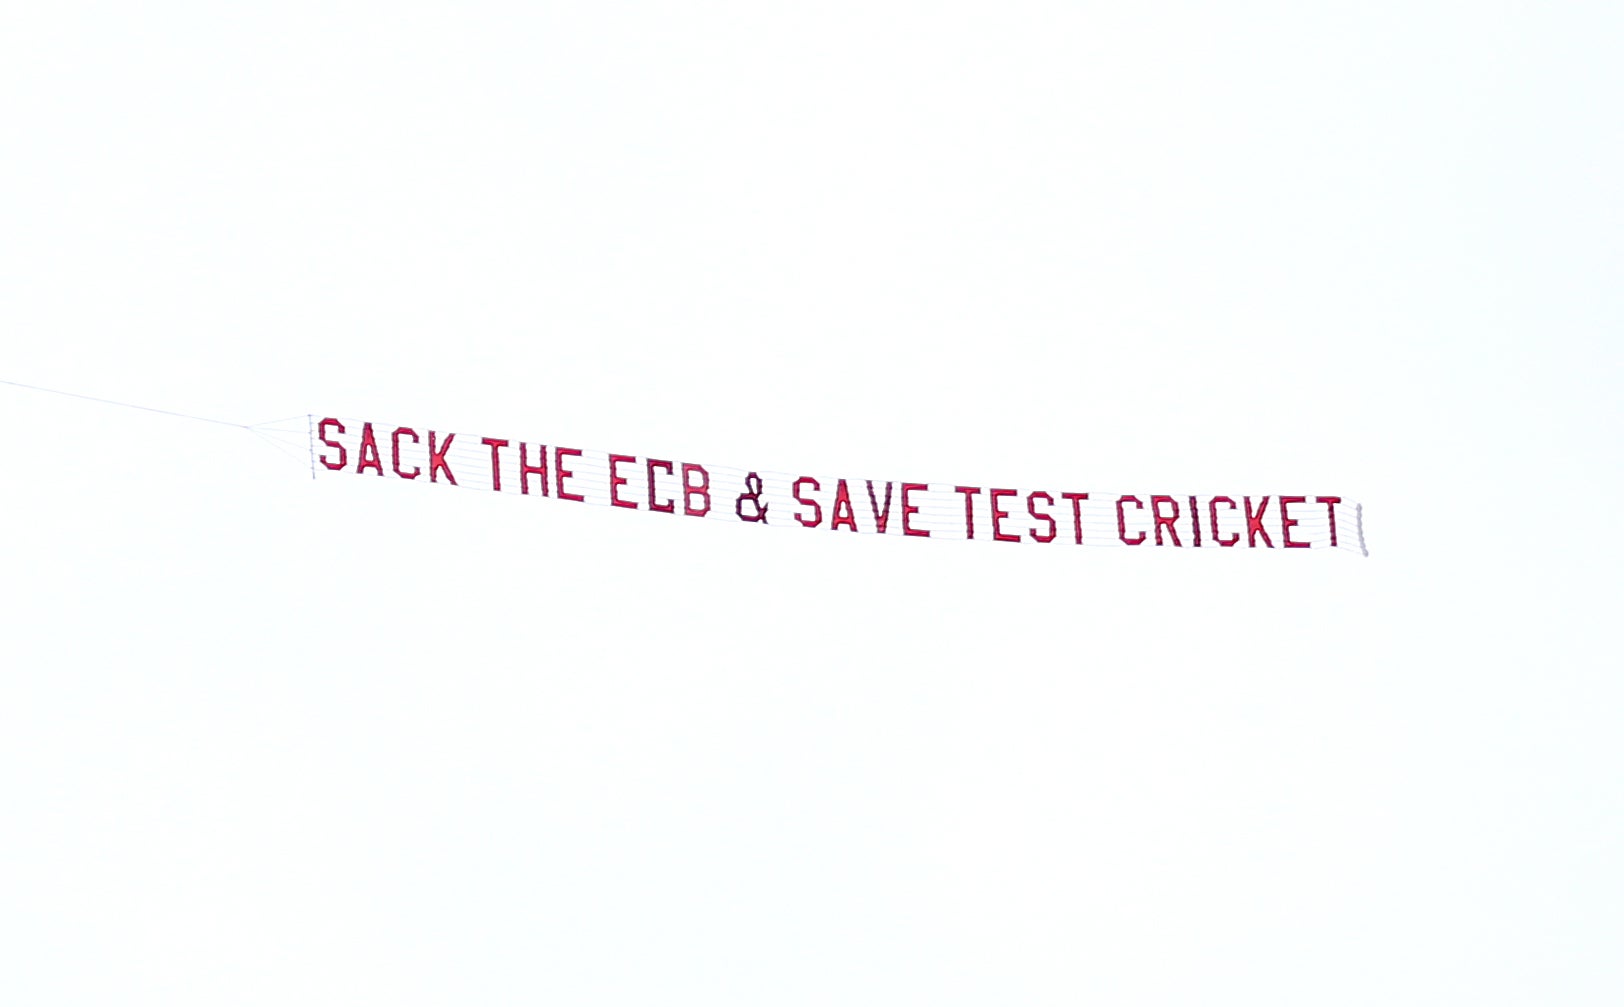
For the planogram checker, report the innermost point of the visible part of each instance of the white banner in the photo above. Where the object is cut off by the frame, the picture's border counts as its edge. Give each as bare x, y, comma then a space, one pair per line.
1077, 515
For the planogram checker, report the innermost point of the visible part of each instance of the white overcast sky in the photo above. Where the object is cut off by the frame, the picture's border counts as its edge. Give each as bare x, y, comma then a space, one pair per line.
265, 740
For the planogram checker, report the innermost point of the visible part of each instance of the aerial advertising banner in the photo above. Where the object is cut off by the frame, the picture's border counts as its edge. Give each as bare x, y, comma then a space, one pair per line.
1052, 516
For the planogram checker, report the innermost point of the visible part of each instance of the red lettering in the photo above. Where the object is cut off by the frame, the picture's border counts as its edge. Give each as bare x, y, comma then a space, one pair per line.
1254, 524
362, 462
998, 515
437, 459
1287, 523
496, 444
560, 473
1122, 521
526, 470
321, 432
1165, 522
881, 518
1212, 512
1330, 509
817, 511
842, 497
670, 506
1195, 522
969, 508
394, 451
909, 510
1032, 509
1076, 512
689, 490
616, 480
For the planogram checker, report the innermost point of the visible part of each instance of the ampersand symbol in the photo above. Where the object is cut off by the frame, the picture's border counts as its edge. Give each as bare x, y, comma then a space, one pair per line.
752, 494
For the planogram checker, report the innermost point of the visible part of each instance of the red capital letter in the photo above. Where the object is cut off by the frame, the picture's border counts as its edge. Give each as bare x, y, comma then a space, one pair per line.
1032, 509
670, 506
999, 515
881, 518
1122, 522
969, 508
1076, 512
909, 510
1167, 522
560, 473
437, 459
364, 461
1254, 524
689, 490
496, 444
394, 451
526, 470
1288, 522
616, 480
817, 511
1330, 509
842, 496
1212, 512
321, 432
